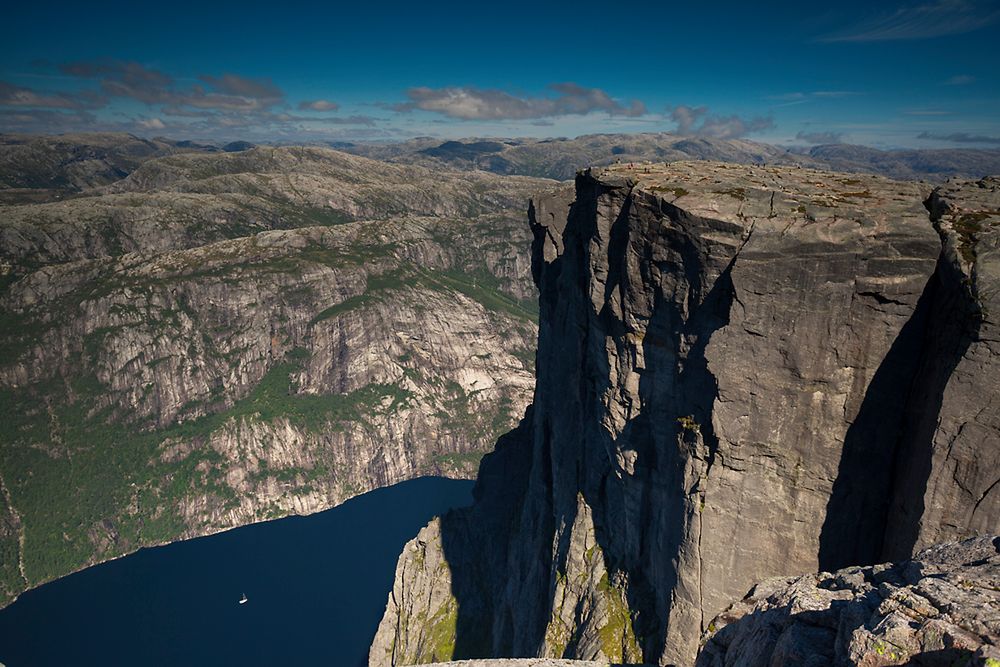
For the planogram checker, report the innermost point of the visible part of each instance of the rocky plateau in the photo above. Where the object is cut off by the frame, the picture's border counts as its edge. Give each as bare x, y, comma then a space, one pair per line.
940, 609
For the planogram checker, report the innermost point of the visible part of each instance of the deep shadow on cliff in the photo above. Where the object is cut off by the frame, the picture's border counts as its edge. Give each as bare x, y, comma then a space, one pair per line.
896, 423
741, 374
887, 455
469, 534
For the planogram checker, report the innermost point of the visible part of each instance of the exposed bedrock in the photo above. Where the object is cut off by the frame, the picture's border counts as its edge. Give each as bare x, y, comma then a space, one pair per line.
938, 610
741, 373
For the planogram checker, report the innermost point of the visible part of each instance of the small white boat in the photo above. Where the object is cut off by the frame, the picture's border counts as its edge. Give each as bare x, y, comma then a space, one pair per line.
243, 600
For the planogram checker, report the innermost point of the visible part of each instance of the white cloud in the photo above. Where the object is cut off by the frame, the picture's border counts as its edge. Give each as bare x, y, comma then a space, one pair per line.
468, 103
697, 121
318, 105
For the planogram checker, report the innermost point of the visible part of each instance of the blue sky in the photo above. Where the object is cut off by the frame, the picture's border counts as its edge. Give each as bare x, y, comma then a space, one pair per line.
917, 74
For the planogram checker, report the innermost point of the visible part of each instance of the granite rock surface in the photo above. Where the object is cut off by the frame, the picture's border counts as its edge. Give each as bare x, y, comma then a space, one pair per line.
941, 608
743, 372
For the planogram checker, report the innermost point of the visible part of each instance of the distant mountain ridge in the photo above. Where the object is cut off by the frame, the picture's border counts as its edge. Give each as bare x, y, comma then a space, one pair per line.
74, 162
560, 158
45, 167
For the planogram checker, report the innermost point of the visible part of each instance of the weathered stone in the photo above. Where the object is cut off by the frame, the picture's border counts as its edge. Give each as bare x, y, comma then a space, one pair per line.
874, 624
948, 477
520, 662
730, 364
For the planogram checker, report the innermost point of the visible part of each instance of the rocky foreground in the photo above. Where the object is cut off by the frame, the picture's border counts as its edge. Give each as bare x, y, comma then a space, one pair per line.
520, 662
941, 608
742, 373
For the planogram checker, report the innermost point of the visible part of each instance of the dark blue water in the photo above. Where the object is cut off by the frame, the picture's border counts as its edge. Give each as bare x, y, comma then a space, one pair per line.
316, 586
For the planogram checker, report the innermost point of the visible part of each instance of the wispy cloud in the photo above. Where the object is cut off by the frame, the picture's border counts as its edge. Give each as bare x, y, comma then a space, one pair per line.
151, 124
135, 81
18, 96
318, 105
799, 97
819, 137
815, 94
227, 102
469, 103
231, 84
927, 112
45, 120
960, 80
368, 121
697, 121
960, 138
933, 19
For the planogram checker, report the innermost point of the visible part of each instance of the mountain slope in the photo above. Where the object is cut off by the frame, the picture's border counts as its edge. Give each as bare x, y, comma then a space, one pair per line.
188, 350
38, 167
188, 200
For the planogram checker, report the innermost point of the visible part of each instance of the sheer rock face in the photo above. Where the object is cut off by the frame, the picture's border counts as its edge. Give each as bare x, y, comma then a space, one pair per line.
941, 608
950, 485
733, 372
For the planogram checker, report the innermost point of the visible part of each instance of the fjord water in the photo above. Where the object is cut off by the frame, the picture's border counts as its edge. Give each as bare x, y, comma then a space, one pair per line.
316, 588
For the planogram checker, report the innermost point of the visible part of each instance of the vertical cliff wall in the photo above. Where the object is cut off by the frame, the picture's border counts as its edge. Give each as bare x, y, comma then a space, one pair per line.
948, 471
741, 373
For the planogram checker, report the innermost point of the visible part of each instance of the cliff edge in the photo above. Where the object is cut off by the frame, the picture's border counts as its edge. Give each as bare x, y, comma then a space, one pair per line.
742, 373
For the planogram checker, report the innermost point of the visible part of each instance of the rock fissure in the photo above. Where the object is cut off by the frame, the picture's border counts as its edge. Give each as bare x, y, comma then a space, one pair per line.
985, 493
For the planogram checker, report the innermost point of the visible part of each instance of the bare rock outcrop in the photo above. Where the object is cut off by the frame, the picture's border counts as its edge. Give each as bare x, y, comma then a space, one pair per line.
941, 608
742, 373
520, 662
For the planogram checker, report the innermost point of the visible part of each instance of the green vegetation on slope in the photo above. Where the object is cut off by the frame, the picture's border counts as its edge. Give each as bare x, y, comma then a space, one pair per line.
92, 482
10, 574
78, 478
